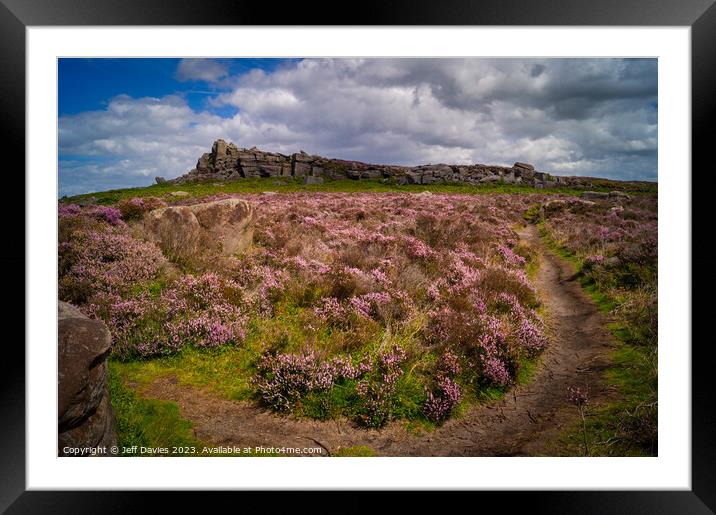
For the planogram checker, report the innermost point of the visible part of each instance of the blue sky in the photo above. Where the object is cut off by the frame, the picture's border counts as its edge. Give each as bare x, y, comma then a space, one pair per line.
124, 121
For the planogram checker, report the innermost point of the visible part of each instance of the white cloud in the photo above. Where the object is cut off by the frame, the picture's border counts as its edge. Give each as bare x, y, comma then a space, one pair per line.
206, 70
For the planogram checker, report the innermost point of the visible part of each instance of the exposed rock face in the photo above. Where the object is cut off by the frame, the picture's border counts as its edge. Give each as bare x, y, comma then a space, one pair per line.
228, 162
619, 195
225, 226
85, 416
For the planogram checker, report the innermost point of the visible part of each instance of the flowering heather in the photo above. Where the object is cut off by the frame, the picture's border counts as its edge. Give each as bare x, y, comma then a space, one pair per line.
335, 272
283, 379
65, 210
439, 404
377, 388
111, 215
577, 396
446, 394
108, 260
509, 256
495, 370
199, 311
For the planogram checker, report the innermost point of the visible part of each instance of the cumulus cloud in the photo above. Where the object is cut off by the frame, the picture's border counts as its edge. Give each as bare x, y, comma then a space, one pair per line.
206, 70
568, 116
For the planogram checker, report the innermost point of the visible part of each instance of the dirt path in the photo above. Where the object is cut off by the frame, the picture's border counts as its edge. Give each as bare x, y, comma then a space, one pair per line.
524, 423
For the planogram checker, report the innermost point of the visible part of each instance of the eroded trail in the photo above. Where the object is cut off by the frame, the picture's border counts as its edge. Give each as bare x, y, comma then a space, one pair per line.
525, 422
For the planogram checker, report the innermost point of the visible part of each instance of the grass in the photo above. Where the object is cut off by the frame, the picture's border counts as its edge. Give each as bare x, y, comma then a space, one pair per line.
291, 184
615, 427
362, 451
146, 423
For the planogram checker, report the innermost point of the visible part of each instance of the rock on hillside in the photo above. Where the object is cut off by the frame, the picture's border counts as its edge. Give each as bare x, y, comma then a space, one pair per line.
224, 226
228, 162
85, 416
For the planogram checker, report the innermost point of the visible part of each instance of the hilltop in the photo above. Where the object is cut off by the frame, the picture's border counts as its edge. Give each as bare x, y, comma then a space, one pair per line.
227, 162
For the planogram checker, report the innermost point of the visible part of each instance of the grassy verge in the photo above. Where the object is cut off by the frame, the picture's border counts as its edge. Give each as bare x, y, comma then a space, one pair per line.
291, 184
624, 425
147, 423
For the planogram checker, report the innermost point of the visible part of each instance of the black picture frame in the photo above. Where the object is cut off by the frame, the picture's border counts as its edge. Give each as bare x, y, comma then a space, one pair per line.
17, 15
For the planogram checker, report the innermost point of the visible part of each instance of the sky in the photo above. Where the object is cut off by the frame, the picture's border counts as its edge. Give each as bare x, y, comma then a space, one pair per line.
122, 122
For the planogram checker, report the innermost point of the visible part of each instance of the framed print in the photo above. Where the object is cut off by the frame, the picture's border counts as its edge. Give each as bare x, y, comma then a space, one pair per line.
444, 250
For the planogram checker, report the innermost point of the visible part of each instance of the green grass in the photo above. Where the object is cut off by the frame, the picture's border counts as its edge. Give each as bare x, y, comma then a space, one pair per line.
291, 184
147, 423
615, 427
362, 451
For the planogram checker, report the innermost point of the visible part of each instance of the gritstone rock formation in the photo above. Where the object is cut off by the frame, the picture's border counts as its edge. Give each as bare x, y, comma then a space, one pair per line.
85, 415
228, 162
225, 226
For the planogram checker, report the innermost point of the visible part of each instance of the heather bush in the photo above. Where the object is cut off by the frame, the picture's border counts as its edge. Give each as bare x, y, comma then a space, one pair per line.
103, 260
376, 390
283, 380
108, 214
202, 311
327, 278
447, 393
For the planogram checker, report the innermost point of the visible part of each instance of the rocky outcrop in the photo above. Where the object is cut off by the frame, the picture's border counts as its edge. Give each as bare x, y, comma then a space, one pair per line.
85, 416
228, 162
183, 232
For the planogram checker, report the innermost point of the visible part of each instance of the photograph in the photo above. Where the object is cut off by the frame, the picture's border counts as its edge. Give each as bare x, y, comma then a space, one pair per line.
357, 257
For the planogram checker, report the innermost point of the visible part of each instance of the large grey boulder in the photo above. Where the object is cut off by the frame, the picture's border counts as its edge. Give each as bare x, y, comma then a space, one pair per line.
524, 166
85, 416
222, 226
619, 195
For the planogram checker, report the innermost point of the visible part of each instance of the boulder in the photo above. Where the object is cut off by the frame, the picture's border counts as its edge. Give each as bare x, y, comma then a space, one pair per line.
300, 169
524, 166
85, 416
313, 180
219, 148
222, 226
179, 194
160, 180
87, 201
619, 195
